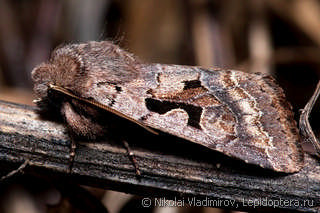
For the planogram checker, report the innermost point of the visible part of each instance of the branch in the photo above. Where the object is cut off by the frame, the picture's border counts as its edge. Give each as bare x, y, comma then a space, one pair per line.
304, 125
172, 168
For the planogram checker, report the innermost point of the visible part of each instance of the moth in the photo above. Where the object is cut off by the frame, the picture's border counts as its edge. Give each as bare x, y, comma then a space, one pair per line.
245, 116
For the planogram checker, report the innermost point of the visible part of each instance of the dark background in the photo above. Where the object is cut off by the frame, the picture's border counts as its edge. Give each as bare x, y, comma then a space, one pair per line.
277, 37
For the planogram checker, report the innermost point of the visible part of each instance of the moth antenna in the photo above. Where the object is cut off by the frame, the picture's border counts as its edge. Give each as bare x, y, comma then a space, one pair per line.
101, 106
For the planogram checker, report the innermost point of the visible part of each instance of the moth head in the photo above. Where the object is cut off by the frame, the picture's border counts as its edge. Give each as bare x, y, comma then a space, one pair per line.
41, 75
63, 72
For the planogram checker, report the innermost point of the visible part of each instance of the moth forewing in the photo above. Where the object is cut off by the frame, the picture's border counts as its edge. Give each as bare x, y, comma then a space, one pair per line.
242, 115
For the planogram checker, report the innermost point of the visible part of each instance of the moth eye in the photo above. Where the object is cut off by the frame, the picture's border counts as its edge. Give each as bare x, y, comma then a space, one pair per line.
41, 90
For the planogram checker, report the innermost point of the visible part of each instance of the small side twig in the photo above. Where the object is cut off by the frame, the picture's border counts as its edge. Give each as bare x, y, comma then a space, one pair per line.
132, 157
304, 125
16, 171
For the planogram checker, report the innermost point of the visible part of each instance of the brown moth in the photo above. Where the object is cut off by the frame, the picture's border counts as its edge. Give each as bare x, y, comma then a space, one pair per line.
245, 116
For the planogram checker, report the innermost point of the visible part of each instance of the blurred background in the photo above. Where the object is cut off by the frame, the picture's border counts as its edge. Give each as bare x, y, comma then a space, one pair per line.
281, 38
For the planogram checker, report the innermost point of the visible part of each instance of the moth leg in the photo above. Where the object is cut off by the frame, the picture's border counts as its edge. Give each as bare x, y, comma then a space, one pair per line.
132, 158
76, 126
71, 118
72, 154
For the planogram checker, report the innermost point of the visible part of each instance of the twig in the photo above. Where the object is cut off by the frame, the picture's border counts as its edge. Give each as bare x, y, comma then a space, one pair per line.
132, 157
170, 167
304, 125
14, 172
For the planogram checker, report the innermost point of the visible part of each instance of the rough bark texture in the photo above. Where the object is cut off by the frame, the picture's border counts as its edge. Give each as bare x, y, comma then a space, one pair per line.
174, 169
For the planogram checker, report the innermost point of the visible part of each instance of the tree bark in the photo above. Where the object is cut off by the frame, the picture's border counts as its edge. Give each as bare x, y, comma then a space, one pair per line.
172, 169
